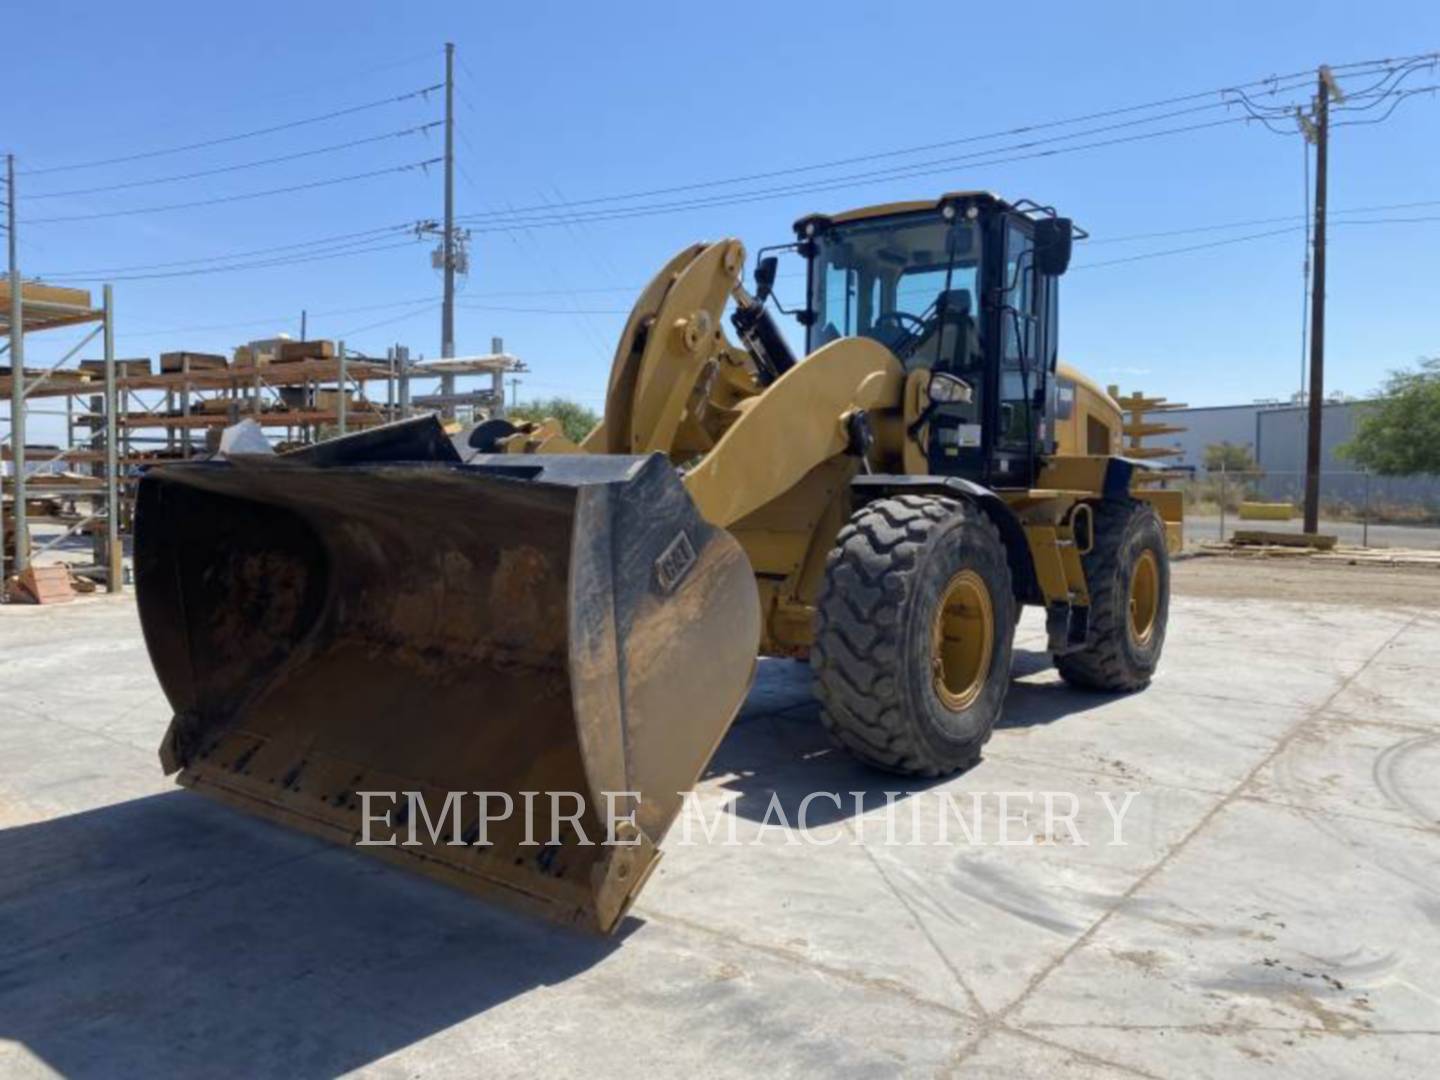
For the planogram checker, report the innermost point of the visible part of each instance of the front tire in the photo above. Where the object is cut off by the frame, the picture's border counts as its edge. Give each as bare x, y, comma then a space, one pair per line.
915, 625
1128, 575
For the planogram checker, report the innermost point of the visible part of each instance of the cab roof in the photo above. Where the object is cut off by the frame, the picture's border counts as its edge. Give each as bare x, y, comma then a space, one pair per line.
914, 206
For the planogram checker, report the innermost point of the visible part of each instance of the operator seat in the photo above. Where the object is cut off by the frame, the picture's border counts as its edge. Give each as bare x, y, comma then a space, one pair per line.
955, 329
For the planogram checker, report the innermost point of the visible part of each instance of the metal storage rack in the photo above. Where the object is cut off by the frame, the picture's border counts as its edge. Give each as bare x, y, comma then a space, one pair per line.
33, 308
209, 399
111, 404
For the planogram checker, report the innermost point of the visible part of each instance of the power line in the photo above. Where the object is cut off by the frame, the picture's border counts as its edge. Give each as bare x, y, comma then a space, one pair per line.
1399, 97
896, 171
268, 319
335, 114
308, 244
1252, 221
1239, 240
351, 74
630, 289
430, 302
1375, 94
902, 172
921, 148
512, 220
268, 263
1192, 247
429, 306
361, 243
243, 165
1273, 85
1394, 76
1390, 220
546, 311
236, 198
1395, 72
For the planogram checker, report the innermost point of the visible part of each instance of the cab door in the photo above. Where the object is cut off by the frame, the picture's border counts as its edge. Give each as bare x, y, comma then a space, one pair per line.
1021, 392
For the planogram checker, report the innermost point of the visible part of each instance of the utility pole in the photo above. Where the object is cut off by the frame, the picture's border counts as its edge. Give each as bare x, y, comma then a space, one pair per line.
17, 378
514, 392
302, 325
447, 307
1319, 130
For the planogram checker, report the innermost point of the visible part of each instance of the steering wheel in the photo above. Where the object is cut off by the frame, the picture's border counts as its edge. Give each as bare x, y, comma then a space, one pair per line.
909, 324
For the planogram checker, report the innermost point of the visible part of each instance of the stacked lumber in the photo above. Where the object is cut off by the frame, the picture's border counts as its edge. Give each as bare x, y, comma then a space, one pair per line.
192, 361
44, 508
293, 351
328, 401
35, 292
126, 369
67, 479
66, 377
246, 357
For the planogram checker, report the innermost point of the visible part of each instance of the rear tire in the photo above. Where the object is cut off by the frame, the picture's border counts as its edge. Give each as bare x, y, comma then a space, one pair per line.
914, 629
1128, 575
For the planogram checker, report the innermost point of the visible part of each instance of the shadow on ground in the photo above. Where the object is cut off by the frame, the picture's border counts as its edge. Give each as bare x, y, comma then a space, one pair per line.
172, 935
778, 747
169, 935
1038, 703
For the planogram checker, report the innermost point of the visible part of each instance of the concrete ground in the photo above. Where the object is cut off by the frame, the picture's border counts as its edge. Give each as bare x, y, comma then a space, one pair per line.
1273, 910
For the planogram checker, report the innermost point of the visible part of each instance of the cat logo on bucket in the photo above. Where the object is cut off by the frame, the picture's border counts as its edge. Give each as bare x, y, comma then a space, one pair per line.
675, 562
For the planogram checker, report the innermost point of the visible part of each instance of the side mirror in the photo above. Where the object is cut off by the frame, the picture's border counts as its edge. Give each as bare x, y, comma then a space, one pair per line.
1054, 238
765, 277
948, 390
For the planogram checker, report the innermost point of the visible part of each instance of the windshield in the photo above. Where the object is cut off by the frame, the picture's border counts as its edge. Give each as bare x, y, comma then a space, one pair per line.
900, 281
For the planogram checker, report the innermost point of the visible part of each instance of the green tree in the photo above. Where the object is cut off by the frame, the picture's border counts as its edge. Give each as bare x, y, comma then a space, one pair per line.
575, 419
1399, 435
1230, 457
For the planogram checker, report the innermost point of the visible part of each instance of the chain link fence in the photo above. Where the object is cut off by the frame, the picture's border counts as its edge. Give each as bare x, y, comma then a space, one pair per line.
1358, 507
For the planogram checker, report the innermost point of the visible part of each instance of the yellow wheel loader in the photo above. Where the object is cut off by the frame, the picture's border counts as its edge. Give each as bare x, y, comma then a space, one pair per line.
545, 641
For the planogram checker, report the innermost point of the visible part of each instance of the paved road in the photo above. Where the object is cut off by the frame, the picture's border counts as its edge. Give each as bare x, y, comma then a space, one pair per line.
1350, 532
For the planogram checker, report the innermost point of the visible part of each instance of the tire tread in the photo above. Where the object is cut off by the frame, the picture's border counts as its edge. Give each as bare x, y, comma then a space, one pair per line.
867, 580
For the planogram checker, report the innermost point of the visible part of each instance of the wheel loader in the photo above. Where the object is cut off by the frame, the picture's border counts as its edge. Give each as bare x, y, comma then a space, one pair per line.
507, 615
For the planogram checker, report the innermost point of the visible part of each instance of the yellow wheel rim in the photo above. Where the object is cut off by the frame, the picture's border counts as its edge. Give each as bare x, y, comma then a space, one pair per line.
962, 640
1144, 597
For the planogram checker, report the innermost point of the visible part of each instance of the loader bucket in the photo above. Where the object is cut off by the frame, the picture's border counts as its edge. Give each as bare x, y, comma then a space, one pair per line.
376, 614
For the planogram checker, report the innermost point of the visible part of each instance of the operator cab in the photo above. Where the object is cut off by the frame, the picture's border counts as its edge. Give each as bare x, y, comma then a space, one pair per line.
965, 286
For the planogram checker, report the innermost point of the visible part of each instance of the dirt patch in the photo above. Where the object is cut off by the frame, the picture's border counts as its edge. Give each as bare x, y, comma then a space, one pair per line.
1305, 581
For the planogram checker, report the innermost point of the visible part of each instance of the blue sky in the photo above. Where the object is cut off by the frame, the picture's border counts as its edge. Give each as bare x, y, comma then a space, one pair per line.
564, 102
